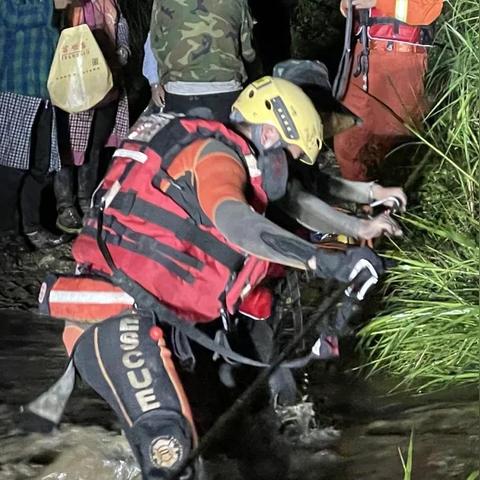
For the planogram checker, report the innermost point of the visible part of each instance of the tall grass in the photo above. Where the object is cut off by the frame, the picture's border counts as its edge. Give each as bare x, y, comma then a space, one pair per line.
428, 331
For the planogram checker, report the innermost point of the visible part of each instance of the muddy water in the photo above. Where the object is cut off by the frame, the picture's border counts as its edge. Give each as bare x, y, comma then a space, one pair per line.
349, 429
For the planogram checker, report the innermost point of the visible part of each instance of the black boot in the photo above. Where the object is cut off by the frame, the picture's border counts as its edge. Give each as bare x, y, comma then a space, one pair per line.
68, 220
88, 180
42, 238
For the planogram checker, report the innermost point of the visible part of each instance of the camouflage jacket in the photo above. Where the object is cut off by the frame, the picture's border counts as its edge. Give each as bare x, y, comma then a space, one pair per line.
201, 40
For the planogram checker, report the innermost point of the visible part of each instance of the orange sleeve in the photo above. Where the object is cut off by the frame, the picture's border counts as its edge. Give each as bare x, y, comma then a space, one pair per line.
219, 176
413, 12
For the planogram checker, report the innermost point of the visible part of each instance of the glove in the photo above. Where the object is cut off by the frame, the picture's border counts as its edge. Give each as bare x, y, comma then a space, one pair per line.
359, 266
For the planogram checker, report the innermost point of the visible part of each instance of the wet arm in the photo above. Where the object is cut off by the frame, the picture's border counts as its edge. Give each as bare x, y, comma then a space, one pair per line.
257, 236
315, 214
358, 192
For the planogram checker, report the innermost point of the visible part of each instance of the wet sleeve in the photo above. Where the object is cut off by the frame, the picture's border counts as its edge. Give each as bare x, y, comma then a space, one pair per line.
246, 34
358, 192
413, 12
315, 214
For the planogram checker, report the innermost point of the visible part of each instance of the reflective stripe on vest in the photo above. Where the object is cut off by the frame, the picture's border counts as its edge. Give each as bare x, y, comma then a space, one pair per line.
401, 10
83, 299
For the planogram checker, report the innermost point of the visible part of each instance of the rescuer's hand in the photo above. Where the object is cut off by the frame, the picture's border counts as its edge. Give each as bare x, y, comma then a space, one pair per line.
345, 266
381, 193
382, 224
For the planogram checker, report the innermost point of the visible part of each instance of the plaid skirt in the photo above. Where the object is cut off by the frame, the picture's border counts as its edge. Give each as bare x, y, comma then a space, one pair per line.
80, 126
17, 116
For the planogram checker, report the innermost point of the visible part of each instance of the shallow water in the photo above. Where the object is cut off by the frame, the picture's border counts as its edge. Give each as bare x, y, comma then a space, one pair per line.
350, 430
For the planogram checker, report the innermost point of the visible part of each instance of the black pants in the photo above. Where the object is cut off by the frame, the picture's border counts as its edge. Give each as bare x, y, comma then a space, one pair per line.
88, 173
219, 104
26, 186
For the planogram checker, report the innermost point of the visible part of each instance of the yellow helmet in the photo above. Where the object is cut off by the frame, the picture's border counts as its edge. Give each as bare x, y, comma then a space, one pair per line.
282, 104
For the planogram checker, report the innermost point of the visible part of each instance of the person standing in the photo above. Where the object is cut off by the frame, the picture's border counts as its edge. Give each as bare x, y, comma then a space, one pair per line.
85, 134
386, 87
199, 50
28, 139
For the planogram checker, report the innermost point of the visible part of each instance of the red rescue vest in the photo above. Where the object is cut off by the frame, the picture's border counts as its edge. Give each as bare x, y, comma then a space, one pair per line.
155, 230
381, 27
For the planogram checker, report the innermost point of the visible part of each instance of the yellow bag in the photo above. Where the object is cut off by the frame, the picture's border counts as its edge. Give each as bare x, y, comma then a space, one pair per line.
79, 76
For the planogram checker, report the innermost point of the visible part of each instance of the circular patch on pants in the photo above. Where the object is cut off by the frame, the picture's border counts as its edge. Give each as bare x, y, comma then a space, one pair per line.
166, 452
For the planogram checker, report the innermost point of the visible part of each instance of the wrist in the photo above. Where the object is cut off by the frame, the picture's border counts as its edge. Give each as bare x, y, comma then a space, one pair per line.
361, 227
373, 192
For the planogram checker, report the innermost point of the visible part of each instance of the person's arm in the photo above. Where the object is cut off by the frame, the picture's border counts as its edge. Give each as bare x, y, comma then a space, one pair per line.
259, 237
150, 64
363, 192
316, 215
221, 180
151, 73
246, 34
18, 16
